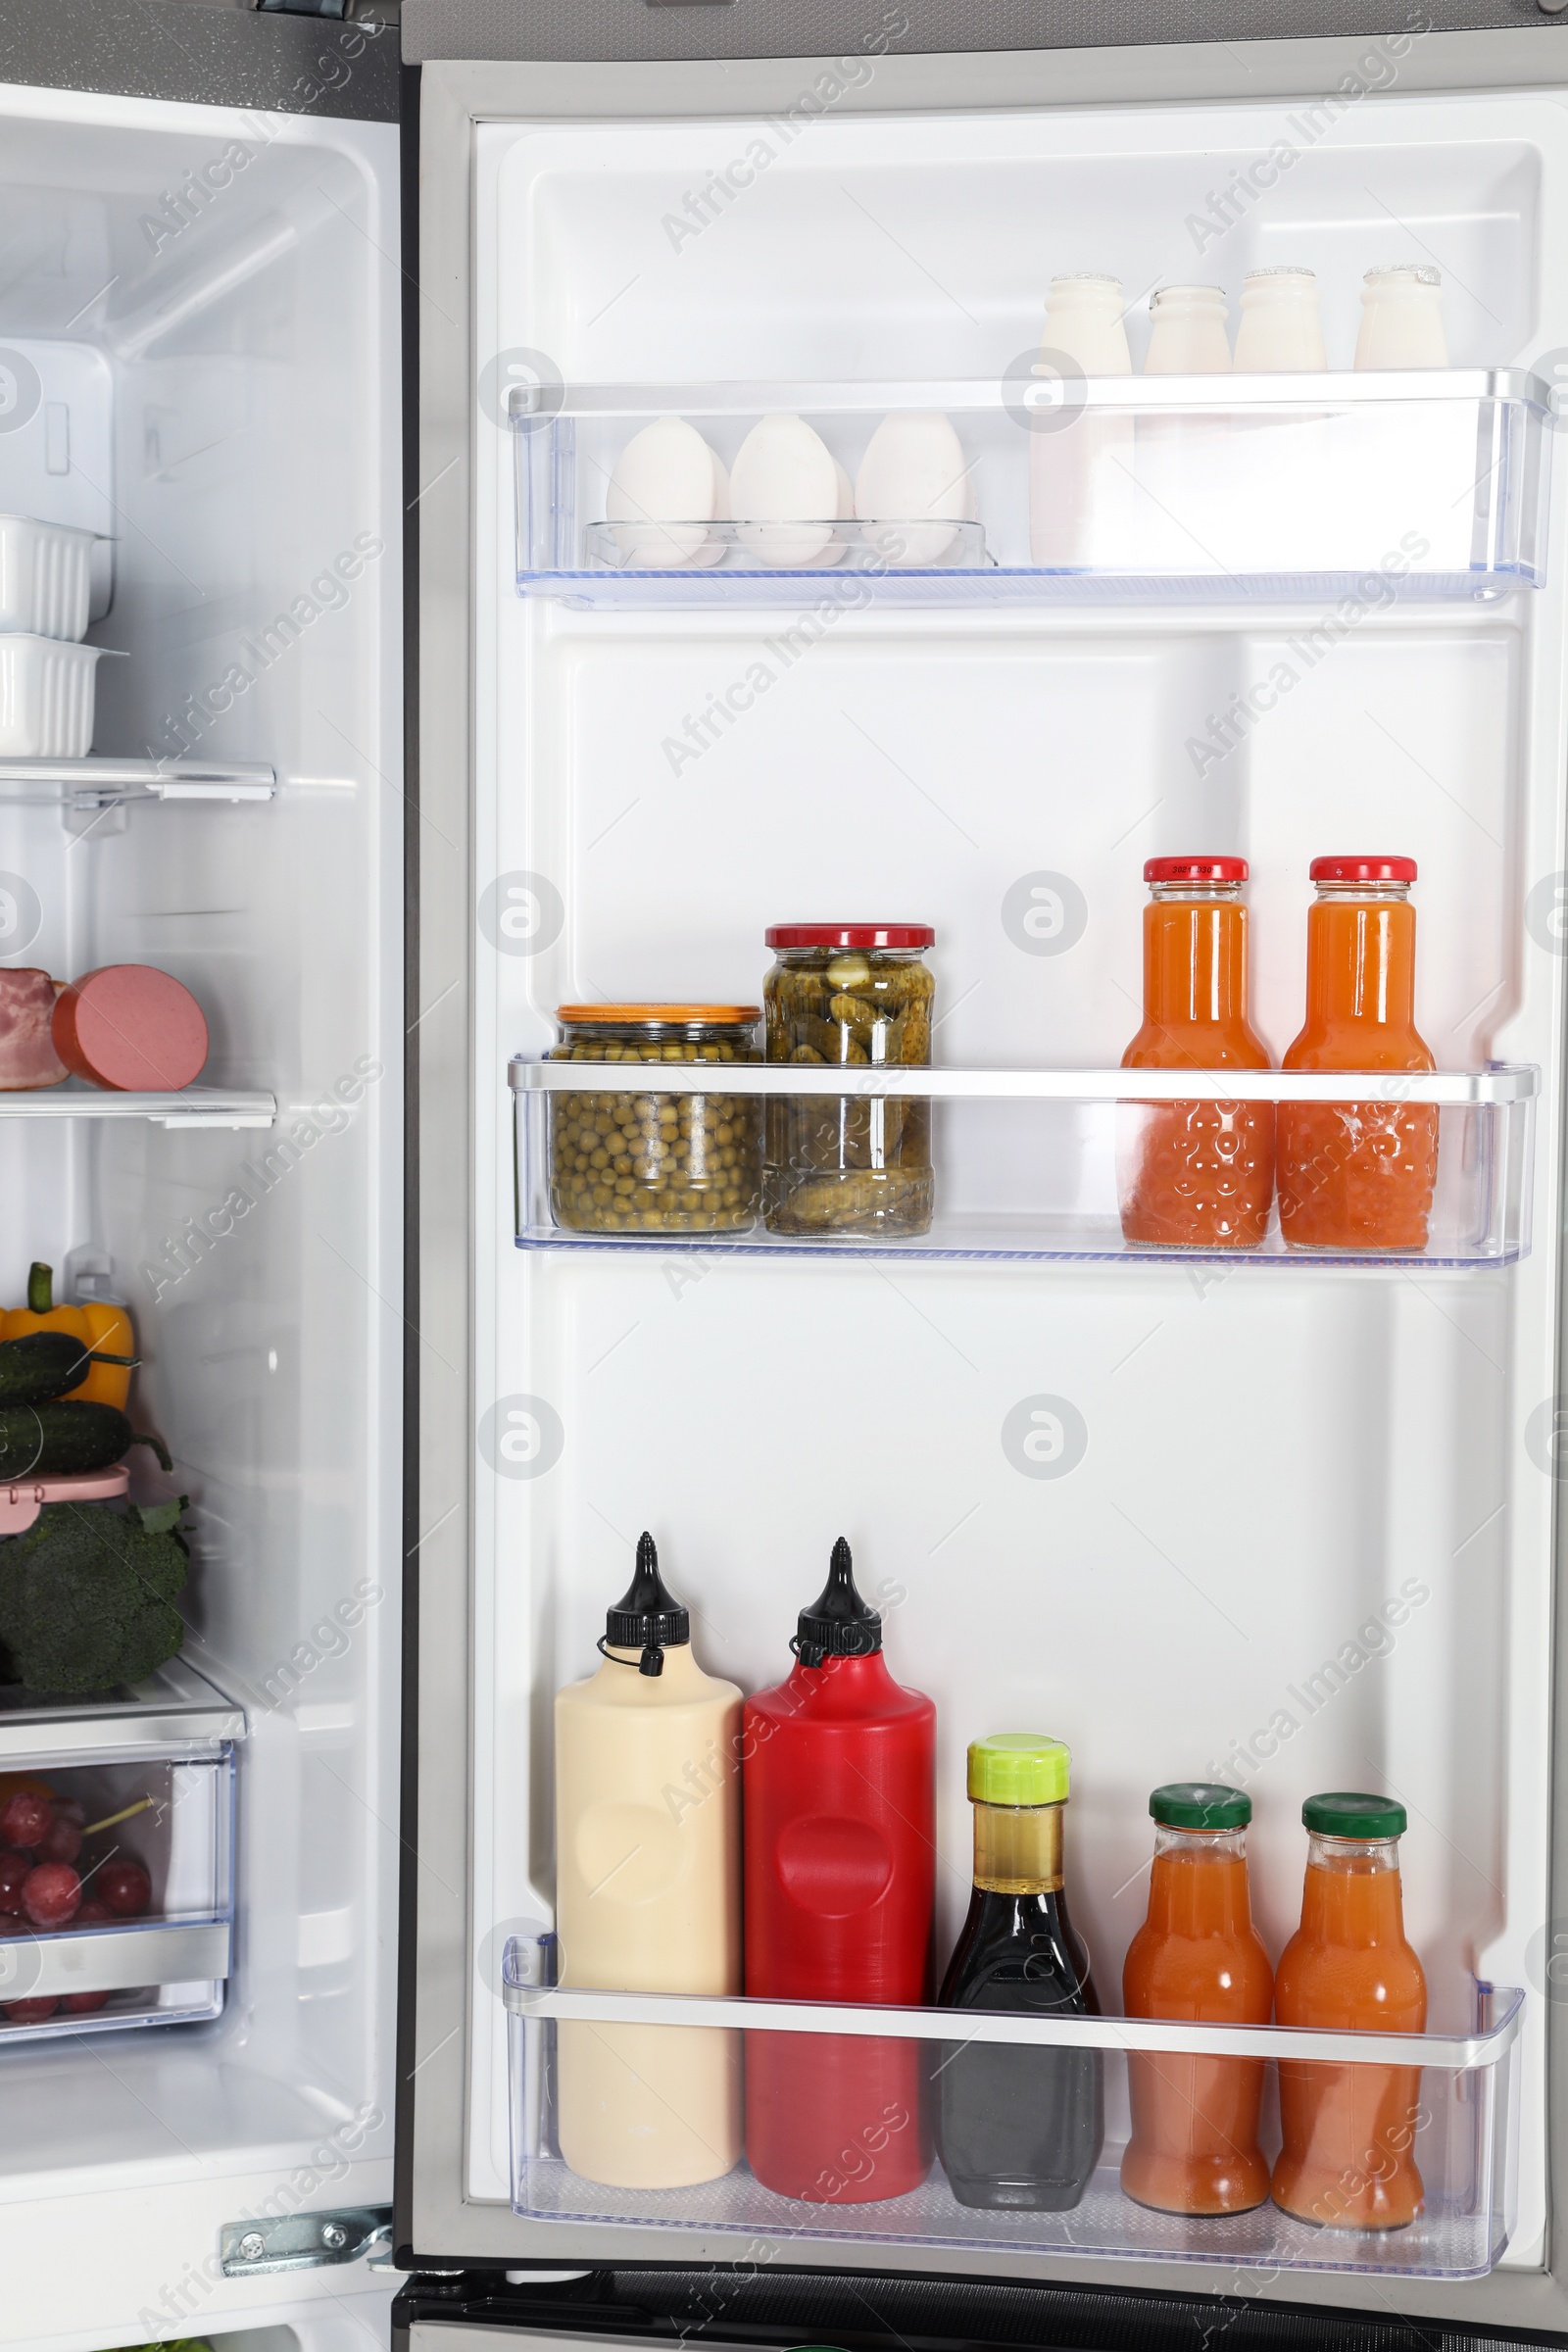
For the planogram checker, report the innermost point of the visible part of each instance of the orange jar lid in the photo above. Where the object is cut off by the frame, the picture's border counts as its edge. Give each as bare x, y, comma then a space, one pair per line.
621, 1015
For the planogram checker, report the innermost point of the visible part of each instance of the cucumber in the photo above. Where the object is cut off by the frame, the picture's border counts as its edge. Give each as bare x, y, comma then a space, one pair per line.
41, 1440
45, 1364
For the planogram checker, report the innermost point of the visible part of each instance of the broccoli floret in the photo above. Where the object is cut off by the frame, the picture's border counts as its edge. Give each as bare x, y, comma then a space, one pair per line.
86, 1595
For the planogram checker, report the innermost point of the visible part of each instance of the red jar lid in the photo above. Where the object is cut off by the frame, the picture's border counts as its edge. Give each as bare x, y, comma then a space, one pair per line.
1194, 870
850, 935
1362, 869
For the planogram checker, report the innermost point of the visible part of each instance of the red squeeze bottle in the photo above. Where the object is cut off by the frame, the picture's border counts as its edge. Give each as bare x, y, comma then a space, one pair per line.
839, 1780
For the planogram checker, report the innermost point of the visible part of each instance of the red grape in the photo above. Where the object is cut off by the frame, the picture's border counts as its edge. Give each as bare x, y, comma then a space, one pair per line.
61, 1840
124, 1886
14, 1868
25, 1817
93, 1914
81, 2004
31, 2013
51, 1894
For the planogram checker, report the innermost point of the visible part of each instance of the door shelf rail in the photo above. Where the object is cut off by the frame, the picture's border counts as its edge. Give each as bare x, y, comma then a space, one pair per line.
1455, 2095
987, 1165
192, 1106
1423, 484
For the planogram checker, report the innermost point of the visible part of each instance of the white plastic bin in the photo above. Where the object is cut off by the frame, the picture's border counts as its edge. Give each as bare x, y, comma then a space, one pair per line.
45, 578
46, 698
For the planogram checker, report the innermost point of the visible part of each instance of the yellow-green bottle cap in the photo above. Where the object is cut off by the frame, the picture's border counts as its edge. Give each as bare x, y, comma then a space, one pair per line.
1018, 1768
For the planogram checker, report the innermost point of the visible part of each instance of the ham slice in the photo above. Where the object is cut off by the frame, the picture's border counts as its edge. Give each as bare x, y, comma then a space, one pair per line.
27, 1055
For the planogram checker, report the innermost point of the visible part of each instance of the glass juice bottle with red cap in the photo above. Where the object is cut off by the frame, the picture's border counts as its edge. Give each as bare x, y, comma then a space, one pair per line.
1196, 1175
1355, 1176
847, 995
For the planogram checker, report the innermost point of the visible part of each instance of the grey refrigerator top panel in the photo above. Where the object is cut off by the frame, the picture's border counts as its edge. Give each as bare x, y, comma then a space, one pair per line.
205, 56
621, 32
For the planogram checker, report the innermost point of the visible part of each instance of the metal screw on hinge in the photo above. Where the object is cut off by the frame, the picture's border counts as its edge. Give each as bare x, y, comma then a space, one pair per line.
334, 2234
250, 2247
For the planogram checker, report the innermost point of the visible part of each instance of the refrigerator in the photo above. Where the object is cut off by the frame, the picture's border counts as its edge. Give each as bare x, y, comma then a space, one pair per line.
1288, 1522
202, 311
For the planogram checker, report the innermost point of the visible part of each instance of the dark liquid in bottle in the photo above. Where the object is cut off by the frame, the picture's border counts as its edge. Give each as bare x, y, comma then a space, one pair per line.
1016, 2129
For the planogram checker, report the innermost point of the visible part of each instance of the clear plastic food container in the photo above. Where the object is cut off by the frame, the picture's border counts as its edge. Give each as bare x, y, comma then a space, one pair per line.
116, 1896
45, 578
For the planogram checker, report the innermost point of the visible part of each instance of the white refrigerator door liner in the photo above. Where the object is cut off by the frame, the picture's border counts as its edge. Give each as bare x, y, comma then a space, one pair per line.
1267, 1465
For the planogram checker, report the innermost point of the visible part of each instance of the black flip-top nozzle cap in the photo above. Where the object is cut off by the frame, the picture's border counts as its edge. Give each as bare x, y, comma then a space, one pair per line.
648, 1616
838, 1623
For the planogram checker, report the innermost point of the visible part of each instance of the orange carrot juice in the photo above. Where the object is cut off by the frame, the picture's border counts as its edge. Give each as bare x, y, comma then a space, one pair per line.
1359, 1175
1194, 2146
1349, 2131
1196, 1175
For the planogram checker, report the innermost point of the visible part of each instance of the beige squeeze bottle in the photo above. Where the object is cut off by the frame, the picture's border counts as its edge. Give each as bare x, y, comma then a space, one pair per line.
648, 1897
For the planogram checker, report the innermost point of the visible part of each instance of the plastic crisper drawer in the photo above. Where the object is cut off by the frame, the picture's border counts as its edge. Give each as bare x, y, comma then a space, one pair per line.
1452, 2105
1024, 1163
1345, 489
155, 1766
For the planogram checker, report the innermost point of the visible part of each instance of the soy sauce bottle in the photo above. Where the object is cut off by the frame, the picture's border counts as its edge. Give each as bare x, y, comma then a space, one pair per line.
1018, 2130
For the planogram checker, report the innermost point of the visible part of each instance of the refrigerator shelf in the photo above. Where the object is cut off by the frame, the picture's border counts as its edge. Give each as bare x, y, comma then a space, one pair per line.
175, 1712
98, 782
1024, 1163
1426, 484
193, 1106
1456, 2111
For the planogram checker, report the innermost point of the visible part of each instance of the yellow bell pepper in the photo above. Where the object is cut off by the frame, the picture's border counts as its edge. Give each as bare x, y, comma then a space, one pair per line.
98, 1324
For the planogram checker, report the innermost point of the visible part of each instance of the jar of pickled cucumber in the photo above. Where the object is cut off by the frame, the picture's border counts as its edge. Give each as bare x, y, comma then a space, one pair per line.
851, 995
634, 1162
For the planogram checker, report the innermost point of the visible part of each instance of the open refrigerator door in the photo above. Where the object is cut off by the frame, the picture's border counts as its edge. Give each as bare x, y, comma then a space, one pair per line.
1281, 1517
201, 825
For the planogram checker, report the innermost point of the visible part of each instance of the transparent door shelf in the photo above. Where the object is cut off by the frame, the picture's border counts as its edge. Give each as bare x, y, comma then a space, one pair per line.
1024, 1163
1456, 2116
1423, 484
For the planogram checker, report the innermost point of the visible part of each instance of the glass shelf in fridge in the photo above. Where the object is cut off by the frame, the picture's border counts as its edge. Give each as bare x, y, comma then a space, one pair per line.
978, 1164
192, 1106
1370, 486
1445, 2098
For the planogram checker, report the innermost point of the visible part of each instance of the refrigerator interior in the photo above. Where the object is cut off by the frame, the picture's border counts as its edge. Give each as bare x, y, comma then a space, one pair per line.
1268, 1456
201, 309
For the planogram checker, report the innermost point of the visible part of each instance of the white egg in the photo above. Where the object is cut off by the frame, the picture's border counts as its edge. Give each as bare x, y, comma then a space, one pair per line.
914, 468
717, 546
661, 495
784, 492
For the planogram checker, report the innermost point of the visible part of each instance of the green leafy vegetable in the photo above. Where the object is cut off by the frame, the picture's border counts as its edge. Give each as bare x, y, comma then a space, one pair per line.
87, 1594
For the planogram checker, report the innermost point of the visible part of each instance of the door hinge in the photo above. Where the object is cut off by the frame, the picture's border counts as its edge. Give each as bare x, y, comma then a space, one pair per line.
307, 2241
